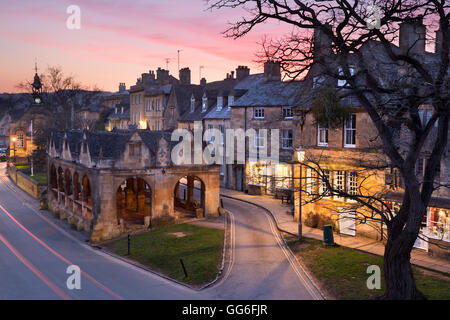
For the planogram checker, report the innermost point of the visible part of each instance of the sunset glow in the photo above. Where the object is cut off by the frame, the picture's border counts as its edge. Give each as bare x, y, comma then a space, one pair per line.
118, 41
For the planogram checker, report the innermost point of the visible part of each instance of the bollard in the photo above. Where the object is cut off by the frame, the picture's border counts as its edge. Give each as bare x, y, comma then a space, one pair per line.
184, 269
328, 238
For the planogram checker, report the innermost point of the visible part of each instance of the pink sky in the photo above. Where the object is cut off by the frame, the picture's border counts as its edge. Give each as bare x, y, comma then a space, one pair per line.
119, 40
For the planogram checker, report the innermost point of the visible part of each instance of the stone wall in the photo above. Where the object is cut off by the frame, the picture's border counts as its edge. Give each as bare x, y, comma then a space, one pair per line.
26, 183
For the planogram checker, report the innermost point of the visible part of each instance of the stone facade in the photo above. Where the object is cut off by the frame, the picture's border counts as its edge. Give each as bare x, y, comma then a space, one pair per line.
131, 185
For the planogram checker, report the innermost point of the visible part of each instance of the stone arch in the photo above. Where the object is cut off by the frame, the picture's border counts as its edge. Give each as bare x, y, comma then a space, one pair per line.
189, 196
76, 186
53, 181
61, 189
134, 201
68, 189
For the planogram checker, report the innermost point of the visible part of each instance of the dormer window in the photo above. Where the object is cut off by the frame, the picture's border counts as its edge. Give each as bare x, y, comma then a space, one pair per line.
343, 82
219, 103
204, 103
192, 103
230, 101
318, 81
135, 149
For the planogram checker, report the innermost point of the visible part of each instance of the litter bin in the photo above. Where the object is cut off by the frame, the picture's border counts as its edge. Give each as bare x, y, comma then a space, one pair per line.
328, 239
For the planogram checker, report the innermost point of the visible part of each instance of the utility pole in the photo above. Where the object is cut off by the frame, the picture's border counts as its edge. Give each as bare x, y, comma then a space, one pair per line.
32, 166
167, 63
179, 60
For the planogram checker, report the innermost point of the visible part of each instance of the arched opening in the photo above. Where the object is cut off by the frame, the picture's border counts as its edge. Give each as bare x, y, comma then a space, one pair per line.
77, 204
54, 182
133, 201
189, 197
68, 188
86, 198
62, 198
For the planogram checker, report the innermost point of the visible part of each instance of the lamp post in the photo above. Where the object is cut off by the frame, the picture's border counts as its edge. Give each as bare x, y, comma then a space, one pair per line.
14, 146
300, 159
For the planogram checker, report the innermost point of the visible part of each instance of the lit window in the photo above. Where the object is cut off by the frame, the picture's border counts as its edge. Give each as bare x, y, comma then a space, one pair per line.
20, 140
350, 131
352, 184
258, 113
339, 183
322, 136
323, 189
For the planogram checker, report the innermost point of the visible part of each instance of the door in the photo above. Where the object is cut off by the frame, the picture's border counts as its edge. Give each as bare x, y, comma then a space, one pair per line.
347, 223
239, 178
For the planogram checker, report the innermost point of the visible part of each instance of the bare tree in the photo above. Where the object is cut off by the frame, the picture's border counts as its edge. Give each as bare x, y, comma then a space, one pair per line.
390, 83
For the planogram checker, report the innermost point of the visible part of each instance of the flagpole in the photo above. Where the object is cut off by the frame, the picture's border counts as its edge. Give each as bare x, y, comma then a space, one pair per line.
32, 169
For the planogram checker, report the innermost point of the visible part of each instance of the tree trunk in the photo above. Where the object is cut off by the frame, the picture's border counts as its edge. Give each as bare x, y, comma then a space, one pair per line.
400, 284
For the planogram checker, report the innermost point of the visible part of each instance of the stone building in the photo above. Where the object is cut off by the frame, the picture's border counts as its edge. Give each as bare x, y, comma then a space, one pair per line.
345, 155
266, 104
109, 183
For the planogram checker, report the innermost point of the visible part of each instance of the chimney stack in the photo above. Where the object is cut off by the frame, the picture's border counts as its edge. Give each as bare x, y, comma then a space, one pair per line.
185, 76
321, 43
272, 71
412, 37
203, 82
162, 75
122, 87
242, 72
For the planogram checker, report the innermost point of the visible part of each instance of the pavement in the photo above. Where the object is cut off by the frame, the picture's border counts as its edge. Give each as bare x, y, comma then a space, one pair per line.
283, 216
36, 252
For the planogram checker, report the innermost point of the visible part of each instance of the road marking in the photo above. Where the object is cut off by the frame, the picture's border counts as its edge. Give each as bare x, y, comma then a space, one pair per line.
294, 263
232, 244
101, 286
35, 270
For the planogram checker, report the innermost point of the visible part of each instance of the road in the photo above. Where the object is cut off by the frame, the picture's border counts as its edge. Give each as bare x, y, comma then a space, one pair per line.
35, 254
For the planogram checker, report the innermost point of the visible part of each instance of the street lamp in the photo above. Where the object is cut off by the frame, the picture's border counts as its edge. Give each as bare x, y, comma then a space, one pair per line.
14, 145
300, 158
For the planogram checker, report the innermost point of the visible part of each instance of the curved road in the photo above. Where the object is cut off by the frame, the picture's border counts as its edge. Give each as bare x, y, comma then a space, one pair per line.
35, 254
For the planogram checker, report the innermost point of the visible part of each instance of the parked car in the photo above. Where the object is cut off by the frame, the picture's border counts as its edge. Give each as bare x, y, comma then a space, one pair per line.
3, 154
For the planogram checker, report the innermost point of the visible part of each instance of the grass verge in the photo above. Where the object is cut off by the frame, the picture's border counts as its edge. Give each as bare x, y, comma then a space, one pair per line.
161, 250
341, 271
39, 177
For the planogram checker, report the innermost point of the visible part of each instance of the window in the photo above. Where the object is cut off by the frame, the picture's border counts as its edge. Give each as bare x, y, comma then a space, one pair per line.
350, 132
210, 129
339, 183
420, 167
322, 136
20, 140
318, 81
352, 184
258, 113
342, 82
135, 149
287, 113
222, 133
192, 103
425, 116
260, 139
286, 139
323, 190
204, 103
